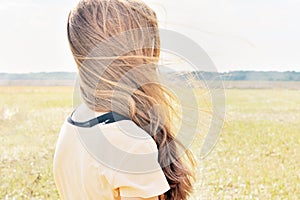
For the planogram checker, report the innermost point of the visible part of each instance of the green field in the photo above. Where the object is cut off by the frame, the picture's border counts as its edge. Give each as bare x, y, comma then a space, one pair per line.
257, 156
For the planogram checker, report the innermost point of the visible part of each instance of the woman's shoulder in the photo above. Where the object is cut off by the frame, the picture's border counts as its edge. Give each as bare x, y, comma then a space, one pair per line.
114, 139
128, 136
124, 135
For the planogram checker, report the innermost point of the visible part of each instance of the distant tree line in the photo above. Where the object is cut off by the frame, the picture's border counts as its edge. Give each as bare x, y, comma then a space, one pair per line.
244, 76
226, 76
39, 76
261, 76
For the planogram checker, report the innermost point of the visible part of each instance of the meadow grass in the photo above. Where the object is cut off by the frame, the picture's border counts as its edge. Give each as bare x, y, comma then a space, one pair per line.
30, 120
257, 155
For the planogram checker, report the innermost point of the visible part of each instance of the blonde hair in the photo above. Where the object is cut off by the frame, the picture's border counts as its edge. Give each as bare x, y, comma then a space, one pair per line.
116, 46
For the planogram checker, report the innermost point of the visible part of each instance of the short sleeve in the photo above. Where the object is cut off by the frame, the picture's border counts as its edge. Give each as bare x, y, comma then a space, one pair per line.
142, 175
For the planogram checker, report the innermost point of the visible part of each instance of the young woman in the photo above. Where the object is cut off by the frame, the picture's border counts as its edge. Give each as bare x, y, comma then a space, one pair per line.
116, 46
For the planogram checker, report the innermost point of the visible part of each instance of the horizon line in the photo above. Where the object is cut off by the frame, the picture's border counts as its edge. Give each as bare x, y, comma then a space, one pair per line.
266, 71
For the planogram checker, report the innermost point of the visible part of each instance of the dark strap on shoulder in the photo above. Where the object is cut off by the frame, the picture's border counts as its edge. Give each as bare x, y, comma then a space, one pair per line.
102, 119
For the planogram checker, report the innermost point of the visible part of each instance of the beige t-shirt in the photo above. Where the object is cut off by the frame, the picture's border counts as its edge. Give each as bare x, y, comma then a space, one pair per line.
107, 161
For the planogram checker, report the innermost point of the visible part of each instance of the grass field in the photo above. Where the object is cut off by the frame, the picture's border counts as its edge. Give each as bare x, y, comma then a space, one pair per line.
257, 156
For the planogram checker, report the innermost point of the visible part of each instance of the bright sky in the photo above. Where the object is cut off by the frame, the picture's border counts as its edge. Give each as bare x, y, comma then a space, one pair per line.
236, 34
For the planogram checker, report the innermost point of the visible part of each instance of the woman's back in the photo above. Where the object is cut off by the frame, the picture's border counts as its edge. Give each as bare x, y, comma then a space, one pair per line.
81, 174
116, 47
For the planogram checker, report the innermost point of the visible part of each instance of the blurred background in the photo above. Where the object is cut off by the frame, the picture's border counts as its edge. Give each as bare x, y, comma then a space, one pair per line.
255, 47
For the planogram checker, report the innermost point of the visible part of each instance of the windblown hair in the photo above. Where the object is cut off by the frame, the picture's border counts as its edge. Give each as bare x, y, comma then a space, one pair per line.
116, 46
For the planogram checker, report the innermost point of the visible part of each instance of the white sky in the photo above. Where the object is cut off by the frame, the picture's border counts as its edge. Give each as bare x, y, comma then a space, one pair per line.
236, 34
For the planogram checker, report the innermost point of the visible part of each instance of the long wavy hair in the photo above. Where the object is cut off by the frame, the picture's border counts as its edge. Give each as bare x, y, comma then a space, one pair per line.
116, 46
